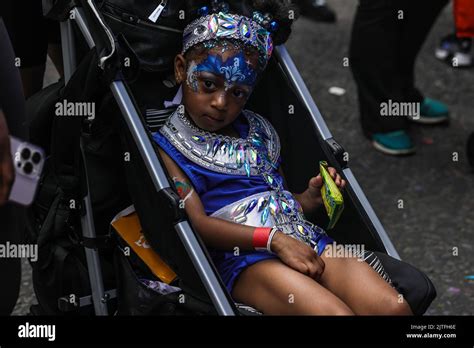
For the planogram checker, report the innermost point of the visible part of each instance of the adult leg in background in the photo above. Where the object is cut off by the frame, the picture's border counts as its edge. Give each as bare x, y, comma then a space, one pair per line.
419, 17
32, 42
374, 47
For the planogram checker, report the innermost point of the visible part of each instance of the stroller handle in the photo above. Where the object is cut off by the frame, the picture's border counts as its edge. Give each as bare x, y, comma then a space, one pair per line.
103, 43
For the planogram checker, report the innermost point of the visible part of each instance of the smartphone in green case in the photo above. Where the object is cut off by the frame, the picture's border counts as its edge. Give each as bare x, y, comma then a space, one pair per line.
332, 197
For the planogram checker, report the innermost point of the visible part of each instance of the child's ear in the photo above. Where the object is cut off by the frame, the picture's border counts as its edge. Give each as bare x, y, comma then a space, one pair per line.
179, 68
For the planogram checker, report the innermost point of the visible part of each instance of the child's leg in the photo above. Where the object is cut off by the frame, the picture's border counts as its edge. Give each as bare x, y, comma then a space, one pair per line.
274, 288
360, 287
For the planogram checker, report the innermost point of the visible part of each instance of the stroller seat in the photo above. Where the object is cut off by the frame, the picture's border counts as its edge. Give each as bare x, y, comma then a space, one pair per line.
135, 110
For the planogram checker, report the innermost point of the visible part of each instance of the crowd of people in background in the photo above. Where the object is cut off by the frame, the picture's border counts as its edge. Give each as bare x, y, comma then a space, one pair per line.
387, 36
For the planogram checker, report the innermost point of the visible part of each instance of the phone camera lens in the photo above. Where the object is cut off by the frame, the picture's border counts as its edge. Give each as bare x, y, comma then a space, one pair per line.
25, 153
36, 158
28, 168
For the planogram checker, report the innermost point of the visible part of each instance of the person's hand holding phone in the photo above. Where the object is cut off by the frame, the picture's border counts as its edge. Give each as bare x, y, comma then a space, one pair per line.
7, 175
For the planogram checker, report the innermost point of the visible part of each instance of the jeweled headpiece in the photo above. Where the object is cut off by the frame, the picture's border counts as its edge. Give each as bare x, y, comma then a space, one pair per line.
254, 31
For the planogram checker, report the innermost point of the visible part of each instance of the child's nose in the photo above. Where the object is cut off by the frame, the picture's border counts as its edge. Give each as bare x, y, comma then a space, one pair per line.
220, 101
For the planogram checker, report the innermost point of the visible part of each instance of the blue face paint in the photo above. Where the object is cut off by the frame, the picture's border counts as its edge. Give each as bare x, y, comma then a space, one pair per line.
235, 70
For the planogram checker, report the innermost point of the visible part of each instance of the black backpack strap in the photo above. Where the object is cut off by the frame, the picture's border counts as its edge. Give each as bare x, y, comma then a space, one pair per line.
83, 87
61, 256
48, 221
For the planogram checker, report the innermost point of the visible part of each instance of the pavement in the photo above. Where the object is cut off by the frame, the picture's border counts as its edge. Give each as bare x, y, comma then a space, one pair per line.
434, 230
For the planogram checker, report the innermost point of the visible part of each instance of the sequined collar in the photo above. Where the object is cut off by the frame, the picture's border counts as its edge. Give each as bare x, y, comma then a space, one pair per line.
255, 154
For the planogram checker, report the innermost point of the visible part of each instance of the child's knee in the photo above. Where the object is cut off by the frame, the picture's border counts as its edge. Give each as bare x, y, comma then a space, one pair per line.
335, 307
340, 310
396, 306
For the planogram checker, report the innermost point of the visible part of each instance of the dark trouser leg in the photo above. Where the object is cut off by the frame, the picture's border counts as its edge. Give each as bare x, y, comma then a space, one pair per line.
419, 17
10, 268
374, 61
27, 29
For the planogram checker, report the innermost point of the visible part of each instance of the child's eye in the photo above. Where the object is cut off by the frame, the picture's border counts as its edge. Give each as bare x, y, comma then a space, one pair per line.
240, 93
209, 84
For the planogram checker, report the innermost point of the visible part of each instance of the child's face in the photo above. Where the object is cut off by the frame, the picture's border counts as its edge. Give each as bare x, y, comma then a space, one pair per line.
216, 85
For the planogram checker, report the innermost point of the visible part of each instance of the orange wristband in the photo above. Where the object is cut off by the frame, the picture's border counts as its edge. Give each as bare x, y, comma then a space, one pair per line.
260, 238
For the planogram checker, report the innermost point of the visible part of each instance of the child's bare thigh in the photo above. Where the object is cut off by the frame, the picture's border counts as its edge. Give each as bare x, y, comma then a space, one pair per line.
359, 286
276, 289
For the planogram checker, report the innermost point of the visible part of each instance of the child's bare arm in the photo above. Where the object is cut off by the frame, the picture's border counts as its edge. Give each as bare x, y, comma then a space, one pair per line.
224, 235
216, 233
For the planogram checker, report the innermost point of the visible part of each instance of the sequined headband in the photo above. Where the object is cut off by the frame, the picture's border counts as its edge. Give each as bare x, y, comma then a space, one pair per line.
231, 26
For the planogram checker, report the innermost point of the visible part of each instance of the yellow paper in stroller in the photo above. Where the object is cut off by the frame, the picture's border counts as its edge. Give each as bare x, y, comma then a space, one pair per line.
128, 227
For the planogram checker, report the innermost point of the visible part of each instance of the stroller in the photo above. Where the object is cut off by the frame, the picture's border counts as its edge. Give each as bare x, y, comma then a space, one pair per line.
121, 72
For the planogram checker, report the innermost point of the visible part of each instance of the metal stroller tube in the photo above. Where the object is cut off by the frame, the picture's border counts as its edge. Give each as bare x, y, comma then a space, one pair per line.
355, 187
99, 296
160, 181
208, 276
297, 82
68, 49
103, 60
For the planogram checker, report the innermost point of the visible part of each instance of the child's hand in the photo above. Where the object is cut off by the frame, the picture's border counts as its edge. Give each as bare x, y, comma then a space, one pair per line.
297, 255
315, 184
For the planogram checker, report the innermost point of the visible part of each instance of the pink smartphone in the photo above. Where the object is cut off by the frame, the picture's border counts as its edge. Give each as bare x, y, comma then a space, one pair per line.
28, 160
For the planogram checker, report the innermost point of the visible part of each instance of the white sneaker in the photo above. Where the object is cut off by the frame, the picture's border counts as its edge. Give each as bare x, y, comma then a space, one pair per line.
456, 51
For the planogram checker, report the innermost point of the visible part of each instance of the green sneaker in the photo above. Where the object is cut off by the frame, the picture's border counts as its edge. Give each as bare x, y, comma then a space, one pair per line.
393, 143
432, 112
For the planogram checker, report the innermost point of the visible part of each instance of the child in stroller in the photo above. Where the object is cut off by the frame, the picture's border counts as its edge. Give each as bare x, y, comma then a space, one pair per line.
225, 164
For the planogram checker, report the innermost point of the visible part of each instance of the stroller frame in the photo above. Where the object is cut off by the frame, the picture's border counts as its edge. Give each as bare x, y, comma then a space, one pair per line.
219, 297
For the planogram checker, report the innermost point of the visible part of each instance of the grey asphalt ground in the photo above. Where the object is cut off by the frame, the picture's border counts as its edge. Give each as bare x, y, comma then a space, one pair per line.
438, 211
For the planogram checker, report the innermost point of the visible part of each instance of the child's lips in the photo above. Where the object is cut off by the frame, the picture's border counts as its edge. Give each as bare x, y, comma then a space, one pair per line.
212, 118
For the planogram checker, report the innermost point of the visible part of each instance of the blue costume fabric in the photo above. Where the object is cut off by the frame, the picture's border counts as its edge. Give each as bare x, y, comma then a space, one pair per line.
217, 190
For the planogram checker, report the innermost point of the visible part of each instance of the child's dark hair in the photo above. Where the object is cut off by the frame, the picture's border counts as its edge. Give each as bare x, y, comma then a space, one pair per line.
283, 11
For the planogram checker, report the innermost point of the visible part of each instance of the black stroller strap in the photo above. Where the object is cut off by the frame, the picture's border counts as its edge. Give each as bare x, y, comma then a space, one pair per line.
48, 221
82, 88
